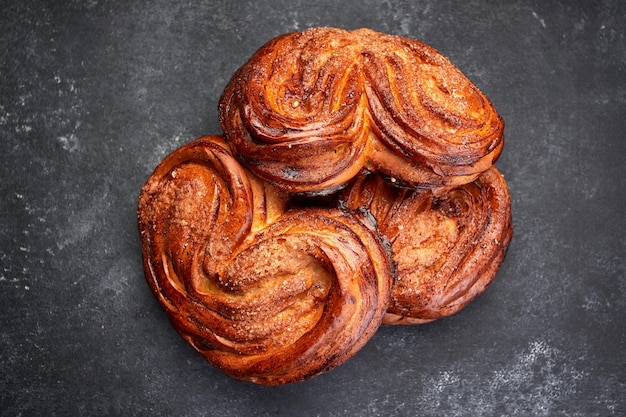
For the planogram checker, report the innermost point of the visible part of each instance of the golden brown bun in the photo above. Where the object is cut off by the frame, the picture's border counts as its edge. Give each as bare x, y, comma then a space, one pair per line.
448, 245
310, 109
265, 294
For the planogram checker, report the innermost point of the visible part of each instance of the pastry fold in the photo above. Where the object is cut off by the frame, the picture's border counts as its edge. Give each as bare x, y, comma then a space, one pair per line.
309, 110
265, 293
447, 244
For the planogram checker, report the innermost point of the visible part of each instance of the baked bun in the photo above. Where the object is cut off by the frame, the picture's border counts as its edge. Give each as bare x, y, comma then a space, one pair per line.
311, 109
448, 245
409, 220
265, 293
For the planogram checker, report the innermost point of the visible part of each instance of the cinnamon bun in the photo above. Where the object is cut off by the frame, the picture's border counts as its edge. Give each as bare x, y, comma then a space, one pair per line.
265, 293
310, 109
448, 244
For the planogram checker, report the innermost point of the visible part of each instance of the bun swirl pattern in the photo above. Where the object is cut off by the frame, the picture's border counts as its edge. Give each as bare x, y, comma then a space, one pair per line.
448, 245
310, 109
265, 293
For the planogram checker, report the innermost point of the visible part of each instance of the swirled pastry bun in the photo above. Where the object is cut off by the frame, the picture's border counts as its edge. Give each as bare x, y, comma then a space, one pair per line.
310, 109
266, 294
448, 245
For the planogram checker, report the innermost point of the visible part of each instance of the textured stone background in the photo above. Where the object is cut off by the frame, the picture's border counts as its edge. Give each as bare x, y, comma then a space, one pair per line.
93, 94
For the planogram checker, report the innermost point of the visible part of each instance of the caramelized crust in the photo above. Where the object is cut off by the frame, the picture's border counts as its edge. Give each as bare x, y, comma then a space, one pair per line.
266, 294
310, 109
448, 245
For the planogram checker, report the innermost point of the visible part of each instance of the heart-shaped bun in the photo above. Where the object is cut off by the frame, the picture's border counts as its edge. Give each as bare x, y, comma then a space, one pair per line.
264, 294
310, 109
